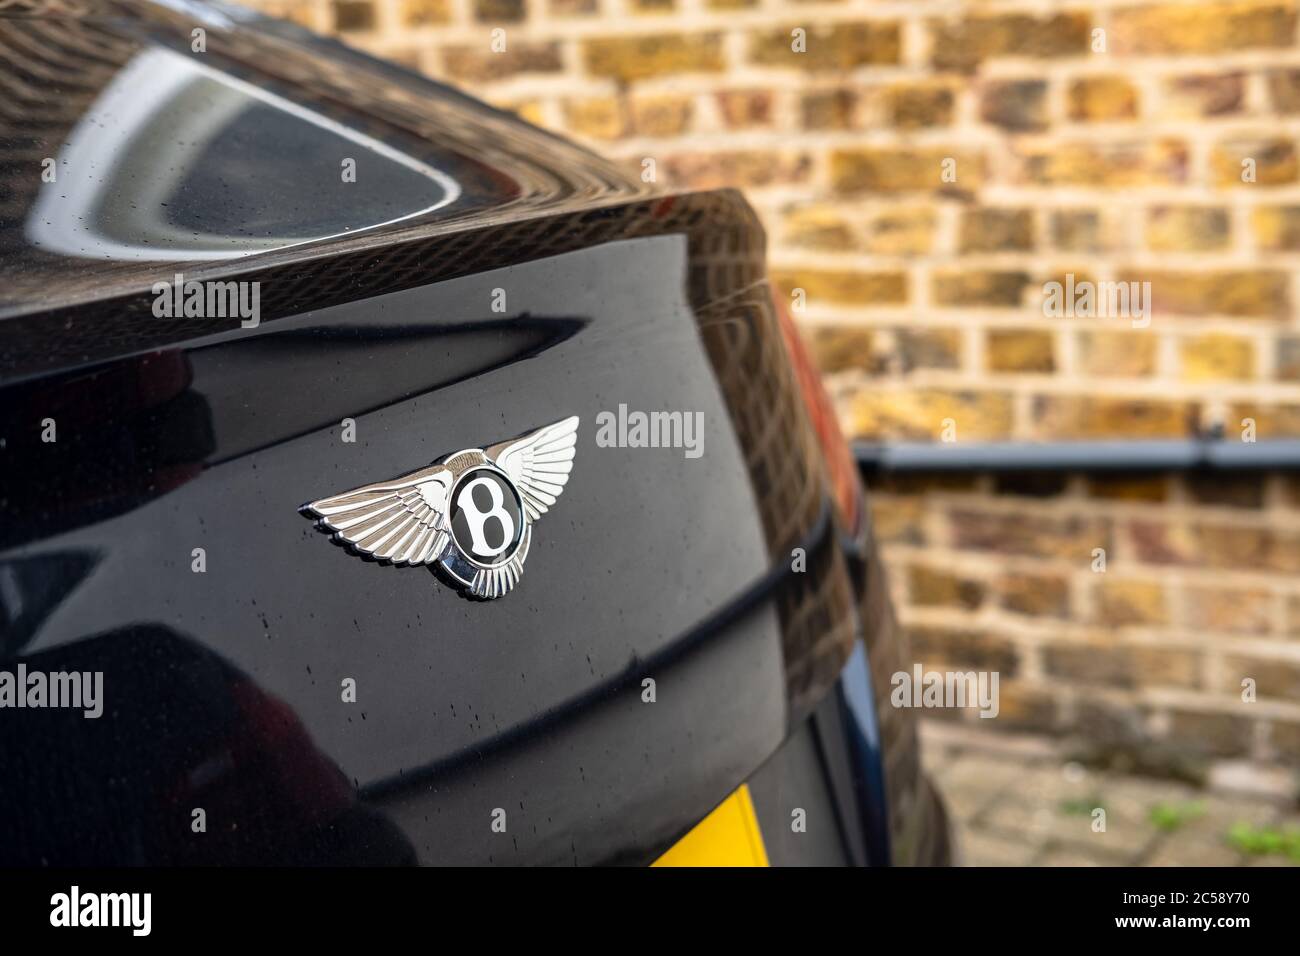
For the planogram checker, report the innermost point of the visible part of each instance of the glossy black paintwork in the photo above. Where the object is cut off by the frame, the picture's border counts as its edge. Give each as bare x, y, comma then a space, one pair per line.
224, 687
201, 159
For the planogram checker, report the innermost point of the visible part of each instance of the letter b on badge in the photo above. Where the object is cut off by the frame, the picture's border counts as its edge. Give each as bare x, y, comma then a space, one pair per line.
477, 520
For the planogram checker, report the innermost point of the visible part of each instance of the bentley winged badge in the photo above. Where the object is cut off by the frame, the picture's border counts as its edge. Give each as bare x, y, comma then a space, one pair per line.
469, 515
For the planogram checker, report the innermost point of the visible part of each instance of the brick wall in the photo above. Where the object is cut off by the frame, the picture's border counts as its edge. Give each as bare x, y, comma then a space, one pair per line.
923, 168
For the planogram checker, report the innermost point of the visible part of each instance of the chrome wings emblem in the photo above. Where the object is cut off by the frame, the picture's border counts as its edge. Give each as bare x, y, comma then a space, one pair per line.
469, 514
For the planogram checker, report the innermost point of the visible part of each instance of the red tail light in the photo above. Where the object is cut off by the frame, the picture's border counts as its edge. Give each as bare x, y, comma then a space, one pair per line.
842, 467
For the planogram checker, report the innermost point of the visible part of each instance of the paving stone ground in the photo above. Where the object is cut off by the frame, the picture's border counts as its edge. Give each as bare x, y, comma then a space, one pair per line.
1021, 804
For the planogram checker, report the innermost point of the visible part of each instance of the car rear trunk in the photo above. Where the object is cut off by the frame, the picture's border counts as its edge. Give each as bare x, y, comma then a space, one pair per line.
662, 643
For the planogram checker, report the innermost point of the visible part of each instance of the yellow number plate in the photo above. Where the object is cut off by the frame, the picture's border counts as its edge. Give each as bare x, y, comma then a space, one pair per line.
729, 836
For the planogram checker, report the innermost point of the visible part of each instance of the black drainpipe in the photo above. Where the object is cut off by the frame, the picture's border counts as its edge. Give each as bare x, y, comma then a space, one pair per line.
1210, 454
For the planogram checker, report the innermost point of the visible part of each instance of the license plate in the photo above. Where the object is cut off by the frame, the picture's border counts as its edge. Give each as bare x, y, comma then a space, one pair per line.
729, 836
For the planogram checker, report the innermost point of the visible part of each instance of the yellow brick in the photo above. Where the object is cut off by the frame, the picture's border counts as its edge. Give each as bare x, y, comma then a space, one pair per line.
917, 105
902, 231
1259, 162
1277, 227
1100, 416
741, 109
964, 44
1070, 536
1121, 602
1102, 98
1240, 548
498, 11
1230, 610
1150, 162
838, 47
844, 287
1271, 421
1078, 230
1284, 90
829, 109
935, 587
1015, 105
1035, 594
635, 58
1063, 277
1261, 293
419, 12
979, 287
897, 520
571, 8
819, 227
598, 117
1020, 350
747, 169
923, 347
837, 348
1288, 361
353, 16
1117, 354
1217, 358
921, 413
1187, 228
1204, 94
663, 115
481, 65
997, 230
897, 170
1207, 28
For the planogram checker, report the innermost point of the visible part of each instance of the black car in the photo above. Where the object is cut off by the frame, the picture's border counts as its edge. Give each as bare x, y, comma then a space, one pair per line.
385, 480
